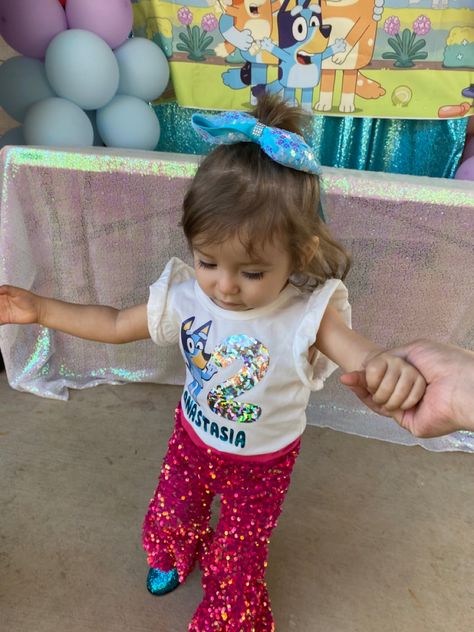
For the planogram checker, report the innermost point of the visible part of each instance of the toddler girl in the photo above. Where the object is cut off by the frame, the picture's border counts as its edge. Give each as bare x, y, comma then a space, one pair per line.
261, 319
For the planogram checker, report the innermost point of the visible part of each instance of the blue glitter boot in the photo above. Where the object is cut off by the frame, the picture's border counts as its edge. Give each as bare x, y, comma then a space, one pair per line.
161, 582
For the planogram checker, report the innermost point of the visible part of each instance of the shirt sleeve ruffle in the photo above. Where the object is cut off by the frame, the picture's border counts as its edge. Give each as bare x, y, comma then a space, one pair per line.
333, 293
162, 322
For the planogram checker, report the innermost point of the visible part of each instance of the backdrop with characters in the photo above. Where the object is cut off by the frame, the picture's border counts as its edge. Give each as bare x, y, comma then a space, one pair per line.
384, 78
370, 58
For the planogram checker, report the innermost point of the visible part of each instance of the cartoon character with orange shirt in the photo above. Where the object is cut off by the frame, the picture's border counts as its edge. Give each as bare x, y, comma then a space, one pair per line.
355, 21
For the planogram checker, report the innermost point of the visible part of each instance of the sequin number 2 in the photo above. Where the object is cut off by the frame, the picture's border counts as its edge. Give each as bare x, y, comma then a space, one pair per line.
222, 398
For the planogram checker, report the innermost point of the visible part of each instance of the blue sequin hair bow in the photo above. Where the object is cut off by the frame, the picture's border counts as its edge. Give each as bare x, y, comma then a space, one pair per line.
286, 148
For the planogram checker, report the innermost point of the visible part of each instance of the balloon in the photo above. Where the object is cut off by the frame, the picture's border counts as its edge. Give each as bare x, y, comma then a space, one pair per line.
29, 25
128, 122
57, 122
22, 83
14, 136
468, 148
465, 170
81, 67
111, 20
144, 70
91, 115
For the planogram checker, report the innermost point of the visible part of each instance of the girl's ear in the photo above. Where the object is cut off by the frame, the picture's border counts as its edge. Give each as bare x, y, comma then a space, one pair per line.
309, 251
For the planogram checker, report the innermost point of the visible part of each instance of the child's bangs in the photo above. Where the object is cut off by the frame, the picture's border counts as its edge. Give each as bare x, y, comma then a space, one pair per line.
254, 227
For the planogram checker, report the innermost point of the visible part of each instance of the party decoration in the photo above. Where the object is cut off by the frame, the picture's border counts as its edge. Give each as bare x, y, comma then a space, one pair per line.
403, 58
30, 25
465, 170
58, 100
22, 82
109, 19
92, 116
81, 67
57, 122
128, 122
14, 136
143, 67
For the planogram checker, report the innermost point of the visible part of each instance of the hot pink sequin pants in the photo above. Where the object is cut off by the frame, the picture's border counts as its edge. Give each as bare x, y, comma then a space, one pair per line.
233, 559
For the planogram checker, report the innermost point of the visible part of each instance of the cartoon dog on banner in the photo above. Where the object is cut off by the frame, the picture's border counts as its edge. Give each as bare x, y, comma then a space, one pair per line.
243, 25
303, 44
197, 360
356, 22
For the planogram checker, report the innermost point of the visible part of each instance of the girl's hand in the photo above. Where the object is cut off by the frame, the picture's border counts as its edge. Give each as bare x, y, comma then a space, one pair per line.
448, 403
18, 306
388, 385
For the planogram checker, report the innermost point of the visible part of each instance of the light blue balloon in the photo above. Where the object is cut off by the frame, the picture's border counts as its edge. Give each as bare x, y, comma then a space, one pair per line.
91, 115
81, 67
14, 136
128, 122
57, 122
144, 69
22, 82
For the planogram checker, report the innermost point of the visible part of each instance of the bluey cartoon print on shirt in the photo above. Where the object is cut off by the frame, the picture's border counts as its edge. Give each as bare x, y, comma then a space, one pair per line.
197, 360
252, 359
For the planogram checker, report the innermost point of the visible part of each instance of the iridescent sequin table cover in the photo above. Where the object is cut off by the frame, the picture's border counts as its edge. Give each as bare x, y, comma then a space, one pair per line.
99, 227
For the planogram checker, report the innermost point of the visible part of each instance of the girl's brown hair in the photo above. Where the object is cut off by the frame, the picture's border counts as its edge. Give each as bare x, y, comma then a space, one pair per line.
239, 191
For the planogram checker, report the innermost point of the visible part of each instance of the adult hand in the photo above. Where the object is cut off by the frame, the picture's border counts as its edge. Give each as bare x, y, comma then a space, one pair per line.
448, 402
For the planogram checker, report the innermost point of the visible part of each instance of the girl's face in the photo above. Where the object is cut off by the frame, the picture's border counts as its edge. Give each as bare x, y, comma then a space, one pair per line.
233, 280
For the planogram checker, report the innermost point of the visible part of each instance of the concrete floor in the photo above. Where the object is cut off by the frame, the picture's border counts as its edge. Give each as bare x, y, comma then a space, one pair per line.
373, 538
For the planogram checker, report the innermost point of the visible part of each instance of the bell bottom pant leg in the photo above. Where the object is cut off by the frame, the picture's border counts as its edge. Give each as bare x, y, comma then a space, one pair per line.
176, 526
235, 561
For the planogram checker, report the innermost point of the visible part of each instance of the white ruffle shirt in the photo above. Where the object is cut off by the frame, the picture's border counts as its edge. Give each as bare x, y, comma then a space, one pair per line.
248, 378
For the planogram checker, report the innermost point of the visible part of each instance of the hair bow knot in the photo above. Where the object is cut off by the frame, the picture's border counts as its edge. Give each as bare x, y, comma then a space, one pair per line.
286, 148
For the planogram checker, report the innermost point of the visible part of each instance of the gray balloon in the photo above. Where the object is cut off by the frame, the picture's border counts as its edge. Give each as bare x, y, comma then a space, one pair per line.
23, 82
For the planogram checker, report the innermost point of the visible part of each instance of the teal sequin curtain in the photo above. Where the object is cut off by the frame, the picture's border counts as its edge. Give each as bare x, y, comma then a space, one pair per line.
422, 148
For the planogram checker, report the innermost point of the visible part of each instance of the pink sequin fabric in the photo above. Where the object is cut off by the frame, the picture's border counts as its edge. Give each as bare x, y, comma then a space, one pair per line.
233, 558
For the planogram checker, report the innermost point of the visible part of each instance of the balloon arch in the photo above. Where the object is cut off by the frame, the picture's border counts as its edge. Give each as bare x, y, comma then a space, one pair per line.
81, 79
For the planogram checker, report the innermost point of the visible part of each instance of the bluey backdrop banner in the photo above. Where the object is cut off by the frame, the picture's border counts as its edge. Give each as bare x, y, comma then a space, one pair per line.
369, 58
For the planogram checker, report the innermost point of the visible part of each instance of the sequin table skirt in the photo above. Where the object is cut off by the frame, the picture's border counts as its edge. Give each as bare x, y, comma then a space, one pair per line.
99, 227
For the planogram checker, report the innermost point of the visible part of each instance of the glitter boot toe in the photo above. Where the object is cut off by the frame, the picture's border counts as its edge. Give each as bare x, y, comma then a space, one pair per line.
161, 582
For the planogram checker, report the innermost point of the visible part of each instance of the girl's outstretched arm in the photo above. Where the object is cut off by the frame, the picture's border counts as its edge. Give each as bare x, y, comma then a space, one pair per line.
394, 384
92, 322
